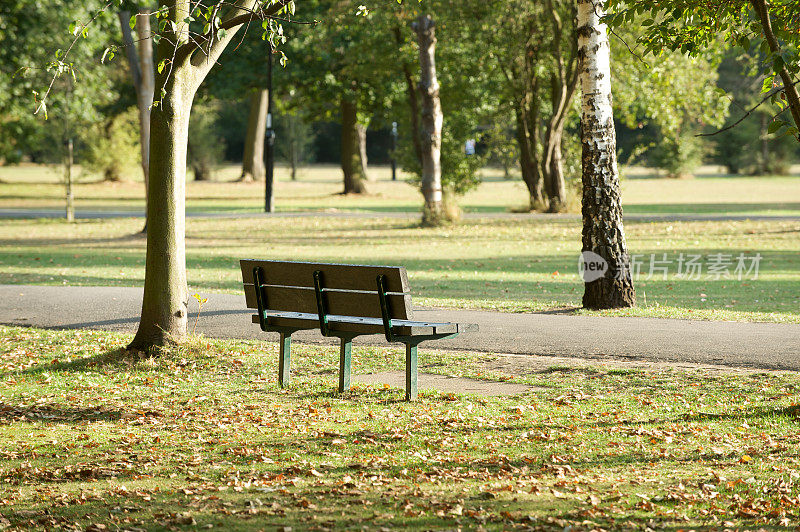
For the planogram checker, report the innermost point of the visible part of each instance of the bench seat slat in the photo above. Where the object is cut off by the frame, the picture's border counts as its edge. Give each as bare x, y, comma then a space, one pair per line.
303, 320
342, 276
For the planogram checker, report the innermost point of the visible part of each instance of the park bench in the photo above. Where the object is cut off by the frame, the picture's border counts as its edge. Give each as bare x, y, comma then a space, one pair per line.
343, 301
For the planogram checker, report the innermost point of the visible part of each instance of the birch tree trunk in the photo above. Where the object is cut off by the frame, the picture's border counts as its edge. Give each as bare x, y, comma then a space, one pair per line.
603, 232
352, 167
253, 163
432, 119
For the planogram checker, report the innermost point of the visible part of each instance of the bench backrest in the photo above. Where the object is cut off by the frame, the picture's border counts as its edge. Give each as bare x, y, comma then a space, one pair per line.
349, 289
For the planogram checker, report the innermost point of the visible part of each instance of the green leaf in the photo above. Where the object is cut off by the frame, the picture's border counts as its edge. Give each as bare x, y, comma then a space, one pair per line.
744, 42
767, 85
132, 21
161, 65
777, 64
774, 126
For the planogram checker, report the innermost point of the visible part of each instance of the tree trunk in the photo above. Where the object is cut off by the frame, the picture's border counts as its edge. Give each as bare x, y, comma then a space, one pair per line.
253, 164
789, 88
165, 298
166, 295
361, 129
556, 184
142, 71
432, 120
603, 232
144, 96
352, 166
528, 162
413, 102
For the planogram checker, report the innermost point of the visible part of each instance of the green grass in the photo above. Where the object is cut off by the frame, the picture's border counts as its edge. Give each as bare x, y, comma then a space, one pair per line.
512, 265
92, 437
317, 189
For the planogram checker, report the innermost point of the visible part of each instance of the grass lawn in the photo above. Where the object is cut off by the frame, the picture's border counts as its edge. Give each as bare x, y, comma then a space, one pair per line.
92, 438
316, 189
513, 265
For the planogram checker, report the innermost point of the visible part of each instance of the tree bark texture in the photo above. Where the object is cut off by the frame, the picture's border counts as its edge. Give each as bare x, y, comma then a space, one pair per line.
361, 130
143, 74
352, 167
432, 120
529, 157
166, 295
412, 96
253, 164
563, 83
147, 85
603, 231
789, 88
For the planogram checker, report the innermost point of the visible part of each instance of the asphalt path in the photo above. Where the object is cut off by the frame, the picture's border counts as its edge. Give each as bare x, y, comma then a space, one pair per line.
734, 344
671, 217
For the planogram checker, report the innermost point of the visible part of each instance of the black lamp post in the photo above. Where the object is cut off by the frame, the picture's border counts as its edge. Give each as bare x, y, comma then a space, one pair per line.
394, 151
269, 152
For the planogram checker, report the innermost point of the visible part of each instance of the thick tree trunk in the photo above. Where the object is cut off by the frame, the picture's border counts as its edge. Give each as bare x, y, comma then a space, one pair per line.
432, 119
166, 295
352, 167
603, 231
165, 299
253, 164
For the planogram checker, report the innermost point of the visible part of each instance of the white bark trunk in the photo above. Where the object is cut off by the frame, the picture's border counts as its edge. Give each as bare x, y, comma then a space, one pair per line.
603, 232
432, 120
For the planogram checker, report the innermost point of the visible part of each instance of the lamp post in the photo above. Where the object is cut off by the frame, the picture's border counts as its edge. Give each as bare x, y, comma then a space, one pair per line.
394, 151
269, 152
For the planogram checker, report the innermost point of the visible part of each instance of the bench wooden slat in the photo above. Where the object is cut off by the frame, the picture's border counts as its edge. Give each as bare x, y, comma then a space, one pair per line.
301, 299
356, 324
341, 276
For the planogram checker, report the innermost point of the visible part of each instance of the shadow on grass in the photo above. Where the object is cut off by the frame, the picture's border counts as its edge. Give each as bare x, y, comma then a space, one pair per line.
116, 358
55, 413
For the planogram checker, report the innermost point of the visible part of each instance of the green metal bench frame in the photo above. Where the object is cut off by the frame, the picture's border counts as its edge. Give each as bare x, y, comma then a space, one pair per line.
411, 341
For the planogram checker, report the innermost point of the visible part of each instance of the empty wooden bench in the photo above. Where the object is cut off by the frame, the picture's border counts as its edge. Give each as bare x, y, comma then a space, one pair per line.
343, 301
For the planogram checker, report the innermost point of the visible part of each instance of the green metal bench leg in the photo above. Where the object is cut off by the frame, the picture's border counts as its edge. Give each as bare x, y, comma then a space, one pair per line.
411, 372
344, 364
284, 359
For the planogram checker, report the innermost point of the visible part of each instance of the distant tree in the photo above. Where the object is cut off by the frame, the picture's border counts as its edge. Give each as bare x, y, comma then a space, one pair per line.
674, 93
748, 148
431, 132
140, 64
603, 232
693, 26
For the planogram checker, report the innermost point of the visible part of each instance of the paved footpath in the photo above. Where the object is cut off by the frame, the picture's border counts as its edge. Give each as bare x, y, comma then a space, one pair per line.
734, 344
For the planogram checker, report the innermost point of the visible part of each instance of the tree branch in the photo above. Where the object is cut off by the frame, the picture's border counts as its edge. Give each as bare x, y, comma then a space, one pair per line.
748, 113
